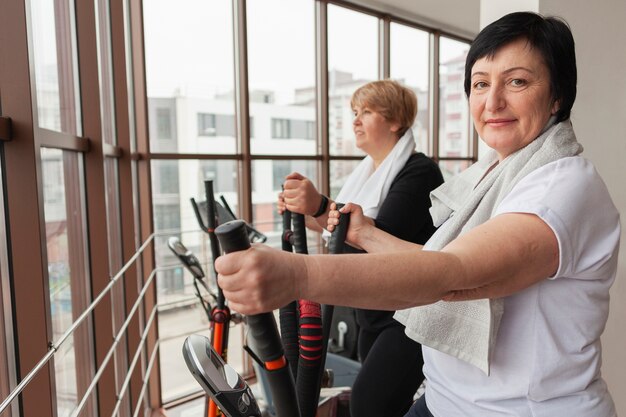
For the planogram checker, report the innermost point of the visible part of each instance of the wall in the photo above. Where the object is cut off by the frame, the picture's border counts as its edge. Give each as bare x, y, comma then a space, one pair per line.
599, 117
491, 10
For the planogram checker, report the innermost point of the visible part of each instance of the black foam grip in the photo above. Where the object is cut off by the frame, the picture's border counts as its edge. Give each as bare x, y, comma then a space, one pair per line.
286, 243
263, 330
289, 334
338, 236
215, 246
283, 392
233, 237
308, 388
335, 246
288, 314
299, 233
310, 364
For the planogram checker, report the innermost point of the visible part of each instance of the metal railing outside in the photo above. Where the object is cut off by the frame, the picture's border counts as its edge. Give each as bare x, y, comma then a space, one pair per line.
54, 346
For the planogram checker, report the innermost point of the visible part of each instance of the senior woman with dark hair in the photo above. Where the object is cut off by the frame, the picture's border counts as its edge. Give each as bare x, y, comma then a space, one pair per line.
510, 296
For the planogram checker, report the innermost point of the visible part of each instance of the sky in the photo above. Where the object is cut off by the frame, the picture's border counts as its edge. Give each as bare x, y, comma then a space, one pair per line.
190, 46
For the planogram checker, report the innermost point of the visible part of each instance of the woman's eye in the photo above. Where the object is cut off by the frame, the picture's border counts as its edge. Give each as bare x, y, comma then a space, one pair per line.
480, 85
518, 82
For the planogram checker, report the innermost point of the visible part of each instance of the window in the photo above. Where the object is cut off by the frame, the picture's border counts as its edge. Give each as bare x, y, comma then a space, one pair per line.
206, 124
455, 131
112, 198
168, 177
191, 82
281, 128
293, 129
218, 125
7, 355
67, 272
164, 123
167, 217
197, 84
302, 129
352, 62
179, 312
224, 179
280, 169
281, 76
339, 172
265, 194
56, 73
190, 63
224, 125
412, 70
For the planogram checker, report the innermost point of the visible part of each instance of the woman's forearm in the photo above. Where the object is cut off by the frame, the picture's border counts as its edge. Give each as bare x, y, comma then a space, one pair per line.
401, 279
379, 241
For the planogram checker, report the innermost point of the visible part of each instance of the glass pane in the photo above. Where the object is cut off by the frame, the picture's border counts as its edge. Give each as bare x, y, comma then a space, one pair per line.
55, 65
7, 357
267, 179
180, 314
410, 67
118, 303
352, 62
339, 172
177, 320
451, 168
105, 72
454, 116
190, 76
281, 76
68, 281
171, 196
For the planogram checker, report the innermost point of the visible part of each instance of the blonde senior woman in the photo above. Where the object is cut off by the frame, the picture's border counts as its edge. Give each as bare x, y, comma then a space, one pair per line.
392, 185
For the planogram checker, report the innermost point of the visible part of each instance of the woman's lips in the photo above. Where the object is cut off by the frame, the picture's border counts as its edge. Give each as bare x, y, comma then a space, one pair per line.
498, 122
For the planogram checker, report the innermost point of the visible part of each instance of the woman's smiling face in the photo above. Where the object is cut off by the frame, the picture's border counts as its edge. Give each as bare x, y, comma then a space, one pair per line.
510, 97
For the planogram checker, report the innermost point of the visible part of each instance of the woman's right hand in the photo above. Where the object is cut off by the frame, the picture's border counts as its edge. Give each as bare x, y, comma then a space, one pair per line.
280, 204
360, 225
300, 195
260, 279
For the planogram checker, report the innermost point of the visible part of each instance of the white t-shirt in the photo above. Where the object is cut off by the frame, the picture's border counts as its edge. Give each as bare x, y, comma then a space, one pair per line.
547, 357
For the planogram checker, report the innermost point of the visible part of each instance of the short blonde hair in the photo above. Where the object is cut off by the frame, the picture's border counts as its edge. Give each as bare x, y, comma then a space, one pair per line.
392, 100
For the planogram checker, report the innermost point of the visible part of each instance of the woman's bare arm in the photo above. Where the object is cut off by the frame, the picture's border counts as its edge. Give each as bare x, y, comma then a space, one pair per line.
502, 256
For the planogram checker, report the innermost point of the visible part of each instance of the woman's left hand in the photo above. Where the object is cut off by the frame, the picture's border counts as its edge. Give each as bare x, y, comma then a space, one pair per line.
360, 224
260, 279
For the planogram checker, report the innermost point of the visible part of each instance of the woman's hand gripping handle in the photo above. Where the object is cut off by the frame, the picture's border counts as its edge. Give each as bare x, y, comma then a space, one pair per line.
233, 237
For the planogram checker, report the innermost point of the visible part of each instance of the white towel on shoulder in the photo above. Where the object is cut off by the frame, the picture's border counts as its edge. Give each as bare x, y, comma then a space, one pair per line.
468, 329
368, 187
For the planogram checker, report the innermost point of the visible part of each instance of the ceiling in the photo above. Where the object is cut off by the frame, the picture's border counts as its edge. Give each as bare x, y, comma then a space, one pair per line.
461, 17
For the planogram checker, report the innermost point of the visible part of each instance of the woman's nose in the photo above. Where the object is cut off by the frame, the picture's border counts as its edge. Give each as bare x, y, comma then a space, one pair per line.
495, 99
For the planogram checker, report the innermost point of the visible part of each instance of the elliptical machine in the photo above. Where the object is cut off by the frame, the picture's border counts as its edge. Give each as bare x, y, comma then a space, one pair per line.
229, 390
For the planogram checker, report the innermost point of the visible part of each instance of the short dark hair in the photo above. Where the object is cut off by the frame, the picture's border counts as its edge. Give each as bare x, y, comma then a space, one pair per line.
551, 36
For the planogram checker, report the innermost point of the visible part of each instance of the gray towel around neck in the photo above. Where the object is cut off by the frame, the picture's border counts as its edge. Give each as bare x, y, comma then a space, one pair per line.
468, 329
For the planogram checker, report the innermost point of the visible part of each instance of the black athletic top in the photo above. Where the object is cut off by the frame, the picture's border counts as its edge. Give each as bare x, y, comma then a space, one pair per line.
404, 214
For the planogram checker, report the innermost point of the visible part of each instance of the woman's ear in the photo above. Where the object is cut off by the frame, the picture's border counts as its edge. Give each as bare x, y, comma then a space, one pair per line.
395, 127
556, 106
